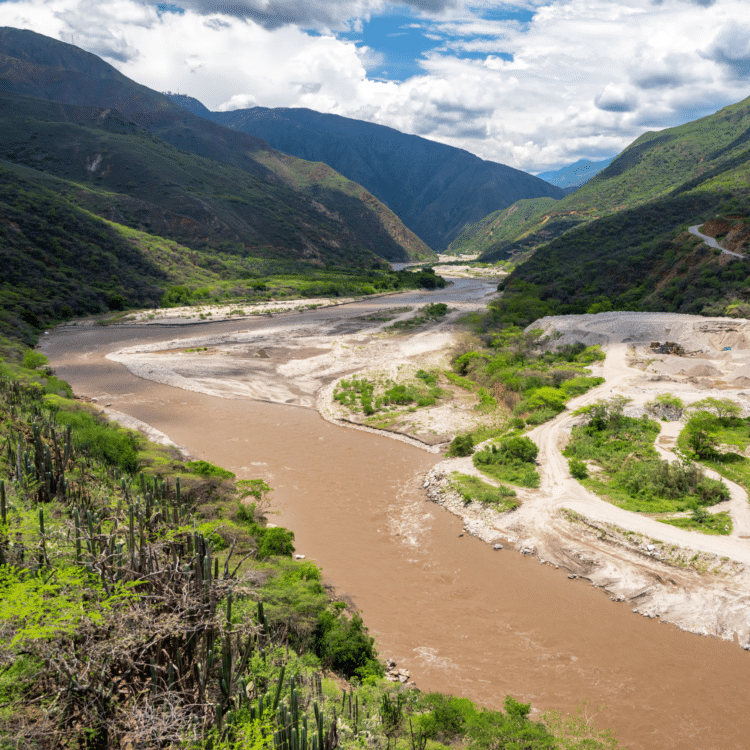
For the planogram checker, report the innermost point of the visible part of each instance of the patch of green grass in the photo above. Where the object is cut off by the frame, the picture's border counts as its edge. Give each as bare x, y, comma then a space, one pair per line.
473, 489
371, 397
710, 523
633, 476
520, 473
427, 314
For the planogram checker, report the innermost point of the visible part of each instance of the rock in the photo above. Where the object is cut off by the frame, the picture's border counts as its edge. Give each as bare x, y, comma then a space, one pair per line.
426, 483
460, 535
299, 557
527, 551
390, 663
402, 678
572, 576
542, 562
650, 547
497, 546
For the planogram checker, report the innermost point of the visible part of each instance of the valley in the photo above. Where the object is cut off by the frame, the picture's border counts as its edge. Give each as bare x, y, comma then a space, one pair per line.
459, 608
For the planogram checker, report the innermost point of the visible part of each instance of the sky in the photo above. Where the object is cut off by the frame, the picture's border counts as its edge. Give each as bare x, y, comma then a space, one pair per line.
536, 85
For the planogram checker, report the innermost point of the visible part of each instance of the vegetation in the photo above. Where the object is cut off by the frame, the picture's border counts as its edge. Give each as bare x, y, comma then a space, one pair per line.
156, 601
427, 314
520, 373
717, 436
632, 475
619, 242
512, 461
154, 224
703, 521
473, 489
372, 396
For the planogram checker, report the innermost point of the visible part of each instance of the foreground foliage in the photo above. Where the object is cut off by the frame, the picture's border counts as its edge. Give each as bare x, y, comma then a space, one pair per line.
145, 603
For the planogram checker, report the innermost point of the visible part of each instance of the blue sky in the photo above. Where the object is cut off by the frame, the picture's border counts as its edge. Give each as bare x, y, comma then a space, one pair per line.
534, 84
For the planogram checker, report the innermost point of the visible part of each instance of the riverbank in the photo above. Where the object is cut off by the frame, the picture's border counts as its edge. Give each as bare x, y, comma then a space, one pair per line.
697, 582
462, 617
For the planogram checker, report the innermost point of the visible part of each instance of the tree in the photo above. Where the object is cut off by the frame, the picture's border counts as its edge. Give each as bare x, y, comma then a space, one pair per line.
724, 408
519, 449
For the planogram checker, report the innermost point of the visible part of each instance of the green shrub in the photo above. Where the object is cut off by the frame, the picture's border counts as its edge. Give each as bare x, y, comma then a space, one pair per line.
274, 542
540, 416
461, 445
518, 449
104, 441
33, 359
344, 645
578, 468
209, 470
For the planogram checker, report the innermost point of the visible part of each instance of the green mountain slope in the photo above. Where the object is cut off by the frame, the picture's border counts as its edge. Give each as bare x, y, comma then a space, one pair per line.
435, 189
60, 259
669, 163
335, 220
639, 256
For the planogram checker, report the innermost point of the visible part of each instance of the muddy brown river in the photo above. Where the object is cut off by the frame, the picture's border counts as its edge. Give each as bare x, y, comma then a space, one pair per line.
463, 618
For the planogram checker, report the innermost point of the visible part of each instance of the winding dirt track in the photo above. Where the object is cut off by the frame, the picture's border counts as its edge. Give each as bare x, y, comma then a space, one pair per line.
560, 490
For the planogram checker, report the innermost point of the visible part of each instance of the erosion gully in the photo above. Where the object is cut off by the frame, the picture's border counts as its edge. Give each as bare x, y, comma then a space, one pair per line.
463, 618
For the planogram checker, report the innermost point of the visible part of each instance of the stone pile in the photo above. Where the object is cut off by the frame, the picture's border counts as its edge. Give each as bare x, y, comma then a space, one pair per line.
398, 675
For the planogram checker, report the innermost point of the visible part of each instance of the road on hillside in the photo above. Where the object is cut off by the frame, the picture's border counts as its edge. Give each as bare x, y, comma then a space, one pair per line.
711, 242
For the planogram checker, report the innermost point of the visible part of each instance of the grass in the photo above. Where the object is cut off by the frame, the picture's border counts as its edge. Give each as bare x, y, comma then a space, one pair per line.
633, 476
375, 396
473, 489
711, 523
519, 473
427, 314
734, 467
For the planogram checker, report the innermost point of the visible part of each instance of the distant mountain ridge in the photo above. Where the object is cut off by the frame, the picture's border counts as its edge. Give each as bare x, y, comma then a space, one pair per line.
287, 207
574, 175
436, 190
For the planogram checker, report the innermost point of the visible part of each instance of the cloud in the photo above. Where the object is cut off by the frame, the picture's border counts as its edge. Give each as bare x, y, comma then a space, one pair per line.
731, 49
580, 79
333, 14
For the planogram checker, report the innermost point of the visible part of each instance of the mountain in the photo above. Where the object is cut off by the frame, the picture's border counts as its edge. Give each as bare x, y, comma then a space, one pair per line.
198, 181
574, 175
621, 240
436, 190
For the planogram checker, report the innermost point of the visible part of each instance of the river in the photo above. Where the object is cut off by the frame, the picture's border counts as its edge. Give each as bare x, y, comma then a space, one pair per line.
463, 618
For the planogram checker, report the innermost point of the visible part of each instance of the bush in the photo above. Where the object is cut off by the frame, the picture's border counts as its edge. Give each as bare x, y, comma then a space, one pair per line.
345, 646
461, 445
578, 469
540, 416
274, 542
518, 449
209, 470
33, 359
102, 440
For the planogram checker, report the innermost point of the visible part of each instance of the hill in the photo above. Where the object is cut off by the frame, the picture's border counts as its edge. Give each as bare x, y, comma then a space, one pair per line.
284, 206
436, 190
621, 241
574, 175
659, 165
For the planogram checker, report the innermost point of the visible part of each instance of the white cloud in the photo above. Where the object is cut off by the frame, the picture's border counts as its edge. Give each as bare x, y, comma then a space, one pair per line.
586, 77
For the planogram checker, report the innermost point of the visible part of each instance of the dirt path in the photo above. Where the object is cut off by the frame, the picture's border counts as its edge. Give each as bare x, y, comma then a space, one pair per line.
711, 242
699, 582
